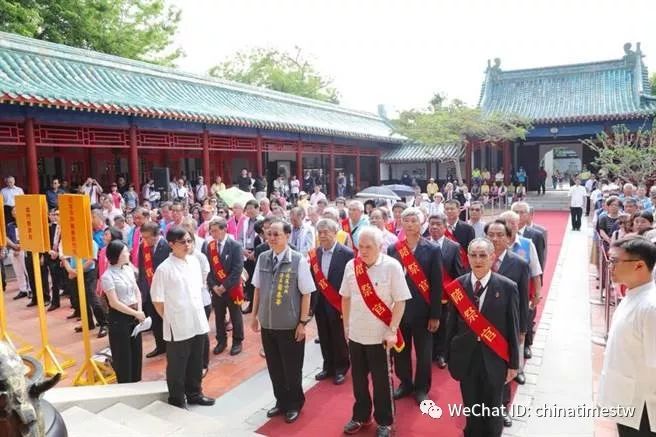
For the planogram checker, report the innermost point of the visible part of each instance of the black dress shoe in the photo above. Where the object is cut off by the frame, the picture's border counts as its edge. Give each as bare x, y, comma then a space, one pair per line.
420, 397
354, 426
401, 392
200, 400
339, 379
102, 332
73, 316
324, 374
383, 431
219, 348
441, 362
20, 295
520, 378
507, 421
53, 307
527, 352
273, 412
179, 404
235, 349
79, 328
317, 341
31, 304
292, 416
155, 352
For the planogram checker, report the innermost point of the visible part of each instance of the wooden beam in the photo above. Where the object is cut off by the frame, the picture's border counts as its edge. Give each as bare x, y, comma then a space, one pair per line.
133, 159
31, 157
259, 162
299, 160
206, 157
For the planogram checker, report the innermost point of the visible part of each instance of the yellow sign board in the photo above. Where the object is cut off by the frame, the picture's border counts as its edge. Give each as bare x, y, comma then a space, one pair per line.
75, 222
32, 220
3, 229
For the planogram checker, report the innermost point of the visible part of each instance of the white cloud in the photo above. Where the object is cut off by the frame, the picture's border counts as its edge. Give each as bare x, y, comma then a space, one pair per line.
400, 52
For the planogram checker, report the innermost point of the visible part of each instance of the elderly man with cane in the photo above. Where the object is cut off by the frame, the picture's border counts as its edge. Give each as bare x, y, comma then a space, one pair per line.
373, 293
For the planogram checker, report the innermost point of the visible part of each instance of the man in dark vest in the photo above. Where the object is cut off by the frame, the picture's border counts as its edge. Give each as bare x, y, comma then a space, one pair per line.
328, 262
153, 251
483, 359
422, 262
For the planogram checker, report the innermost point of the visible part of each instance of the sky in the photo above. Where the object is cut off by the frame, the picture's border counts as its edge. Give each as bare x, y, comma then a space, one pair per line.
399, 53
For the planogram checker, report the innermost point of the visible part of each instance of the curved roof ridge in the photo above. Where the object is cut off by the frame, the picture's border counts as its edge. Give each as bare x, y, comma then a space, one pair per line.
45, 48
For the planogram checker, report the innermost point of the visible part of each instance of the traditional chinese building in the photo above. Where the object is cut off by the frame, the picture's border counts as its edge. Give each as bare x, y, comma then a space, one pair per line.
566, 104
71, 113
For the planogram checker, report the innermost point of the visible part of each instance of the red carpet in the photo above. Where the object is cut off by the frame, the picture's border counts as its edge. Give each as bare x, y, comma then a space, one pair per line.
328, 407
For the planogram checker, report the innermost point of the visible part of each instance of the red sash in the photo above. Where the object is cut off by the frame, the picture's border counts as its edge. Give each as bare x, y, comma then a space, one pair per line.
373, 301
346, 227
463, 252
237, 292
476, 321
390, 227
413, 269
148, 262
328, 291
446, 280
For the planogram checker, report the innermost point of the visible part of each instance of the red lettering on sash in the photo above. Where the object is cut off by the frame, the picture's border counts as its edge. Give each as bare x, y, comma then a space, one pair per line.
326, 288
236, 293
413, 269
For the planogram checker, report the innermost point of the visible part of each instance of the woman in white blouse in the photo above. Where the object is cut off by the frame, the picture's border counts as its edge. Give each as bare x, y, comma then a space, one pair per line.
125, 312
378, 217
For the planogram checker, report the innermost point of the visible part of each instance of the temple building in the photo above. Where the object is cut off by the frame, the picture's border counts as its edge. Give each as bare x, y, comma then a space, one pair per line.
72, 113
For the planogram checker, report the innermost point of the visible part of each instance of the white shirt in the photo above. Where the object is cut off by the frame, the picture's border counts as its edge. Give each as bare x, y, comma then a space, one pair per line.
178, 284
628, 376
179, 192
479, 228
9, 195
577, 194
111, 215
484, 280
388, 279
435, 208
316, 197
588, 185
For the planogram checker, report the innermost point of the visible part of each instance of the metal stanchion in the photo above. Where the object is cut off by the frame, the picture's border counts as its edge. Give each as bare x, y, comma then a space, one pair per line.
610, 288
602, 263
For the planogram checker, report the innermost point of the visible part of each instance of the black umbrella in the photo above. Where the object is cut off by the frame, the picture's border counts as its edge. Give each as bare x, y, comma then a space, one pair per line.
401, 190
378, 193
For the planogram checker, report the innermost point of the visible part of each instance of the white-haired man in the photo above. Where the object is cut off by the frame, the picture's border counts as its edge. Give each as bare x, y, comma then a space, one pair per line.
356, 221
373, 300
422, 262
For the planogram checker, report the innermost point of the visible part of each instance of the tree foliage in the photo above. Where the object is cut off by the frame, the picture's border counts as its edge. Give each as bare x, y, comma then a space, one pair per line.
276, 70
135, 29
630, 156
652, 81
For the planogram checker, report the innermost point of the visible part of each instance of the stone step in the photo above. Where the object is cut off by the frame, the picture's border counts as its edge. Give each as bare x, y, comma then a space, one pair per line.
139, 420
190, 423
83, 423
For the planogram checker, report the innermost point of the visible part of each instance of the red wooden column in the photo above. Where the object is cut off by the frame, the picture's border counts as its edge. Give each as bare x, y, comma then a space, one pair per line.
506, 162
299, 160
133, 159
378, 167
206, 157
32, 169
332, 188
357, 170
468, 161
259, 147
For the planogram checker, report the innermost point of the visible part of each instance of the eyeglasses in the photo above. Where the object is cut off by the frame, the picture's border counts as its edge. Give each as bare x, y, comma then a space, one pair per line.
185, 241
615, 261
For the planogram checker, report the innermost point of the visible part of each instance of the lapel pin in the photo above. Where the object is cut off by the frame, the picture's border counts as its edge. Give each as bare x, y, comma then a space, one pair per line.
497, 295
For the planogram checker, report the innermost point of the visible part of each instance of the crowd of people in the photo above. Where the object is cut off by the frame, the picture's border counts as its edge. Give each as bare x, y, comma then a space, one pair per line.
383, 281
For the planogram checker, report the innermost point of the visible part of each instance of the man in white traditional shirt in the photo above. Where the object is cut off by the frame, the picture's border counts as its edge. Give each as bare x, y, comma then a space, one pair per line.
475, 214
628, 376
9, 194
176, 293
303, 236
317, 195
577, 195
357, 220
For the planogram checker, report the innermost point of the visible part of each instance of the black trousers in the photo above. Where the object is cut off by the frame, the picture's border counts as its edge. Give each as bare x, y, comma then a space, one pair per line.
528, 341
587, 205
184, 367
29, 267
249, 289
541, 186
4, 274
479, 389
126, 350
418, 334
206, 347
333, 343
576, 213
222, 304
644, 431
365, 359
94, 307
284, 358
439, 338
57, 278
158, 324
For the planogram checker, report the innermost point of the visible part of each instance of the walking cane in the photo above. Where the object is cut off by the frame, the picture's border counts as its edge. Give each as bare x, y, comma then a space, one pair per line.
391, 379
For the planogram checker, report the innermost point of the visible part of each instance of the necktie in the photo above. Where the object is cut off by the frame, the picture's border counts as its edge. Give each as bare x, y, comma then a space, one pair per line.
275, 263
496, 265
478, 288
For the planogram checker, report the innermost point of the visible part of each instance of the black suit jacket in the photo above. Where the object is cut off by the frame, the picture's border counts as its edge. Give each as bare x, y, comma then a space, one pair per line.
538, 240
516, 269
341, 255
464, 233
429, 258
451, 260
233, 264
161, 251
501, 309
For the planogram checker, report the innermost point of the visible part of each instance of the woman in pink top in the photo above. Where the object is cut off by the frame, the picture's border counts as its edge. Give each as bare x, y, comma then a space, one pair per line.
236, 219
